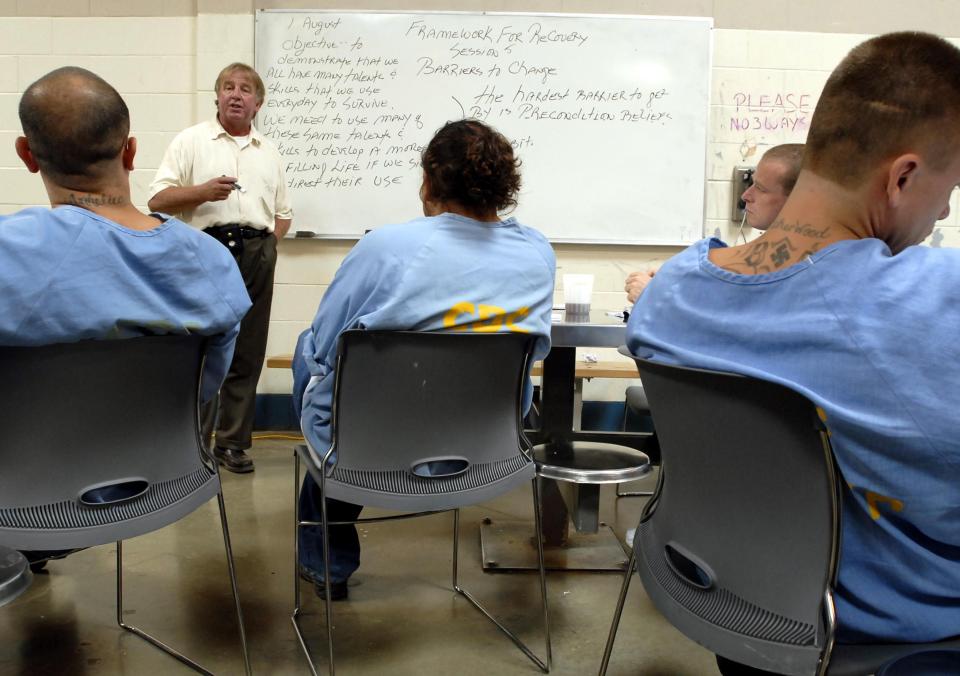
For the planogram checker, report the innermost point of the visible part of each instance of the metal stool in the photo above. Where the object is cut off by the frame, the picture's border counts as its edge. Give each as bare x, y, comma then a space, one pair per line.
592, 464
15, 575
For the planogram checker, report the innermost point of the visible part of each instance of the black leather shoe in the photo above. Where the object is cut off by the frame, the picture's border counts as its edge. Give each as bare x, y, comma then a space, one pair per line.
338, 590
235, 461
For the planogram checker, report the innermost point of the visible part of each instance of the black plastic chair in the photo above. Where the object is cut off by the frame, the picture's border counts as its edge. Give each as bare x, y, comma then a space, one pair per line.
101, 442
738, 547
424, 422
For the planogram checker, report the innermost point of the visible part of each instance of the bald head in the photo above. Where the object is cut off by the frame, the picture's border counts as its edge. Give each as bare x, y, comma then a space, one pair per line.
76, 125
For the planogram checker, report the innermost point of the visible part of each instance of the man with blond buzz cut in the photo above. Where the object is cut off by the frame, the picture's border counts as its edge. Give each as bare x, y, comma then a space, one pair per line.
225, 178
773, 181
836, 301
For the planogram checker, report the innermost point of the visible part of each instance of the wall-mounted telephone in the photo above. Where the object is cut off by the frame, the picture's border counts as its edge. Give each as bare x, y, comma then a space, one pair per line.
742, 179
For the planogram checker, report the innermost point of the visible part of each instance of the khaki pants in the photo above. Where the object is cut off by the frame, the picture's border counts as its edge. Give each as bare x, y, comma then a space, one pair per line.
239, 391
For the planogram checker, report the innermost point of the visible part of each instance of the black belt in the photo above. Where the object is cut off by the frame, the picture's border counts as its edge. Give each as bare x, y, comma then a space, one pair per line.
246, 232
232, 235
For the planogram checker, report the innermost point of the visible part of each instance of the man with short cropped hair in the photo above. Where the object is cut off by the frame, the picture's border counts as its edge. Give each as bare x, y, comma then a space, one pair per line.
94, 266
225, 178
773, 181
837, 301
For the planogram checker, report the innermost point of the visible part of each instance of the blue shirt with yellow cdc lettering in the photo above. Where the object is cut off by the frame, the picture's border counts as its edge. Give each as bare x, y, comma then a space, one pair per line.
429, 274
872, 339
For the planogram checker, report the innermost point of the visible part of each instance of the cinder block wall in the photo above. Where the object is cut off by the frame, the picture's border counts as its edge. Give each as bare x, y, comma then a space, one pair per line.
163, 56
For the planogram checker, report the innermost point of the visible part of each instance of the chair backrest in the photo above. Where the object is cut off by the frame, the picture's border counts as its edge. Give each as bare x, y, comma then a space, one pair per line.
428, 420
739, 546
100, 440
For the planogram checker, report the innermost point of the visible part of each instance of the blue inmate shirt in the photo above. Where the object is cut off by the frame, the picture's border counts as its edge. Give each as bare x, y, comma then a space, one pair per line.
432, 273
874, 340
67, 274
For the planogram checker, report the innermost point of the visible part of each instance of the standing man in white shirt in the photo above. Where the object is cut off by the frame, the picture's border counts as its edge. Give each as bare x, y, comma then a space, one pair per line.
224, 178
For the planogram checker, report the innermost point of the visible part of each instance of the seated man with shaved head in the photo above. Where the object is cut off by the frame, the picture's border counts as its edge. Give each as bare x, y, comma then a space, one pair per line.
836, 301
93, 265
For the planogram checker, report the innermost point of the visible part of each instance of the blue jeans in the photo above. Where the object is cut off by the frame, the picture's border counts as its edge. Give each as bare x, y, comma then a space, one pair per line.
344, 542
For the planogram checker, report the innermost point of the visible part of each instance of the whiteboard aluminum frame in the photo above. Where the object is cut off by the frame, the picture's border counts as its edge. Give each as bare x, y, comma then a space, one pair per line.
351, 237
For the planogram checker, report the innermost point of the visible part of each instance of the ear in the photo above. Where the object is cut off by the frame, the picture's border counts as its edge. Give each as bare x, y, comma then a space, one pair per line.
426, 199
128, 153
425, 189
901, 177
26, 155
259, 104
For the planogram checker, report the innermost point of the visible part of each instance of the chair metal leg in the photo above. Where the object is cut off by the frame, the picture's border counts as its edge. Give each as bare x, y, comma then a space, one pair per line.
294, 618
326, 569
142, 634
236, 598
830, 614
296, 533
233, 582
456, 548
325, 525
538, 525
544, 667
627, 576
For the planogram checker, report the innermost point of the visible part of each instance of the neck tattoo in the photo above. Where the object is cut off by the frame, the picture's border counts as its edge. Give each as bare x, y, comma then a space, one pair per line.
776, 251
90, 200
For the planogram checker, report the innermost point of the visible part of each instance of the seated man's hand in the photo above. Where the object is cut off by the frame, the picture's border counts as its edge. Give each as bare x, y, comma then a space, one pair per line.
636, 283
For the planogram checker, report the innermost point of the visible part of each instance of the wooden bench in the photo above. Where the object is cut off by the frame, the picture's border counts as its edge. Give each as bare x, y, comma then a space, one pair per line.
601, 369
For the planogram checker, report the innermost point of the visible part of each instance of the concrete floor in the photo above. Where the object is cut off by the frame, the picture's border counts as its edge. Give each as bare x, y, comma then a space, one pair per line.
402, 618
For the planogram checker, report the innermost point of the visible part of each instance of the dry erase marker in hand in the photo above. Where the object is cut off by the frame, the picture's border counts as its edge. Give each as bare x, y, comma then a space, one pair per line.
235, 186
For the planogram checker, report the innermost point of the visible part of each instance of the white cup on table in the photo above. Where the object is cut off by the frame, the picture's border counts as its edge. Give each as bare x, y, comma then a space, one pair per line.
577, 291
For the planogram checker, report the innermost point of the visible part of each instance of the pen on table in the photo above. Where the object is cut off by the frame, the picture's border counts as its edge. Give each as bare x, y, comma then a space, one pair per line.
625, 315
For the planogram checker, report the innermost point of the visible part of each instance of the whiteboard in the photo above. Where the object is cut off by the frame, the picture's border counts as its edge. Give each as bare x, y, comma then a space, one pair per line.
608, 115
